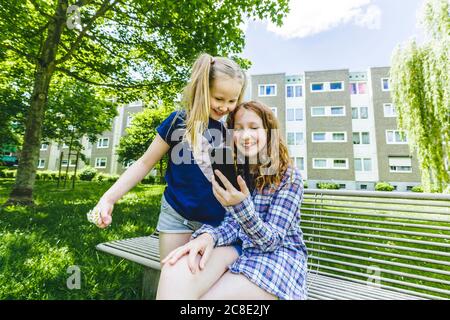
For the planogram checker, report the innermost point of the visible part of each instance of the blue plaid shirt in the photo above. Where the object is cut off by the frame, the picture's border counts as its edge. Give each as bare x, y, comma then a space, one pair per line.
274, 256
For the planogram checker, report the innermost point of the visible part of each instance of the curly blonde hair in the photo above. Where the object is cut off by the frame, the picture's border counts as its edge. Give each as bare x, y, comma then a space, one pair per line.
277, 152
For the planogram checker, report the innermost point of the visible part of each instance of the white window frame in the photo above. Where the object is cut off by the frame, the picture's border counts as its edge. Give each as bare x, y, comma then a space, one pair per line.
297, 110
382, 84
294, 160
327, 111
65, 145
320, 82
97, 160
329, 137
293, 87
359, 113
363, 166
360, 137
267, 85
394, 134
397, 171
41, 164
333, 90
392, 106
330, 164
100, 145
44, 148
130, 118
296, 143
357, 88
70, 162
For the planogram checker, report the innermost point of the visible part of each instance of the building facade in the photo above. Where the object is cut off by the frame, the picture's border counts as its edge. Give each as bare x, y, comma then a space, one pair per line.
340, 127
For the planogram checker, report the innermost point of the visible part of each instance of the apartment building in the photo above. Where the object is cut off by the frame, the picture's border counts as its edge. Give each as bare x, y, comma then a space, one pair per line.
101, 154
340, 127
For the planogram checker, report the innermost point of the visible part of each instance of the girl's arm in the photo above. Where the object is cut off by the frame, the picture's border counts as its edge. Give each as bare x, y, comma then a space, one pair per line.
138, 170
131, 177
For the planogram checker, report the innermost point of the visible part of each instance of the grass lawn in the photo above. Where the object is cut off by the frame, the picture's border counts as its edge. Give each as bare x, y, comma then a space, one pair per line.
38, 245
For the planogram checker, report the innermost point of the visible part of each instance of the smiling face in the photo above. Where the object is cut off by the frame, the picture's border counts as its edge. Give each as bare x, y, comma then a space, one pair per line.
224, 96
249, 133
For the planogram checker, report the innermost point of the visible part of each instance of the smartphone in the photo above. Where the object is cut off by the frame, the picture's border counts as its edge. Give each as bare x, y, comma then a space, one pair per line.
222, 159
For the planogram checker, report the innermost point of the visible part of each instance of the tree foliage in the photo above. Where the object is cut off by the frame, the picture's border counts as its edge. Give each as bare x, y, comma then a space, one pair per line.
421, 90
129, 48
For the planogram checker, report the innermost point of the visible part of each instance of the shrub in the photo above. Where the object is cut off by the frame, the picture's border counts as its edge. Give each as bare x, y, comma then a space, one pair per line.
113, 178
327, 185
2, 174
417, 188
88, 173
384, 186
101, 177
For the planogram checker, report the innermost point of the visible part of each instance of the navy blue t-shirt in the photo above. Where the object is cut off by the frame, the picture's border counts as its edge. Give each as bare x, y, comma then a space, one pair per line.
188, 190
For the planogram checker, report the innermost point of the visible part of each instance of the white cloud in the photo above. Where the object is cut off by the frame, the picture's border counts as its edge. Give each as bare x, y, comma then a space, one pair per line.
309, 17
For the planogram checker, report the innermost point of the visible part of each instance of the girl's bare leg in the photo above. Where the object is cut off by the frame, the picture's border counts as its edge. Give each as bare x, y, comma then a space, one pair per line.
177, 282
236, 287
171, 241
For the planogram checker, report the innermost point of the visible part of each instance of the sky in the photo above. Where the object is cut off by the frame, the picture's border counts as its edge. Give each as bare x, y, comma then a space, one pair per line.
332, 34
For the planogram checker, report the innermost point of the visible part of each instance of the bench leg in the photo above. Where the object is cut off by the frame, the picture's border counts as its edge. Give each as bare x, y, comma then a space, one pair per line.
150, 283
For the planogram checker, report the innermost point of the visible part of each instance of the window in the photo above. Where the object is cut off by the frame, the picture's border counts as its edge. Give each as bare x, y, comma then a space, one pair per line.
361, 138
342, 186
41, 163
329, 137
294, 91
337, 86
319, 163
360, 113
295, 138
339, 136
323, 163
316, 87
129, 120
319, 136
265, 90
385, 84
339, 163
274, 110
337, 111
65, 145
318, 111
44, 147
64, 163
363, 164
396, 137
299, 163
358, 87
100, 162
103, 143
389, 110
363, 187
295, 114
328, 111
73, 162
400, 164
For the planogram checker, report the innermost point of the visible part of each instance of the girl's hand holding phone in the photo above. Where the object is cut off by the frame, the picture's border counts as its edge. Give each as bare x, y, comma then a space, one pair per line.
229, 196
101, 215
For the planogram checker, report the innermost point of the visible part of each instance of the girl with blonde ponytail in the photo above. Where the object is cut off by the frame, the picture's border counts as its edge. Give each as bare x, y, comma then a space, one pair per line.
216, 87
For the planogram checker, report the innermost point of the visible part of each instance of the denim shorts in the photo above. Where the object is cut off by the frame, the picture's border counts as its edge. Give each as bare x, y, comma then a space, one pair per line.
171, 221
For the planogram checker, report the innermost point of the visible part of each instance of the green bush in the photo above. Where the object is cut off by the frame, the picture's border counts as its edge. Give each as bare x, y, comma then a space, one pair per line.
417, 188
113, 178
384, 186
101, 177
327, 185
88, 173
2, 174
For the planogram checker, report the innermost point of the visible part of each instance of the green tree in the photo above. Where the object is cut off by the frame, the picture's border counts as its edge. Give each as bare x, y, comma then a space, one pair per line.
141, 133
128, 46
421, 90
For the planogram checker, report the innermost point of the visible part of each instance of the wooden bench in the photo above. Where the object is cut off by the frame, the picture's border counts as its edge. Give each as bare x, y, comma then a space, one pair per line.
362, 246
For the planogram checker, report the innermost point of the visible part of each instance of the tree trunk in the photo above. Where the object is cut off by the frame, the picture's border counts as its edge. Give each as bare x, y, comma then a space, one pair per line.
22, 192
